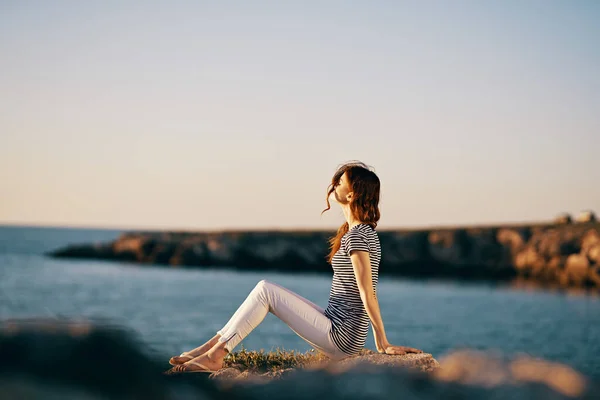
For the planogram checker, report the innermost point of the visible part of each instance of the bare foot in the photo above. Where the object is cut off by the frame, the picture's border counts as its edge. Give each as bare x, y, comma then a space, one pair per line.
184, 357
201, 363
212, 360
189, 355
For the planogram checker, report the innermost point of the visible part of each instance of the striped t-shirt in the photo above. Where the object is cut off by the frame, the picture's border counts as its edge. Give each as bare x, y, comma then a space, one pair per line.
349, 319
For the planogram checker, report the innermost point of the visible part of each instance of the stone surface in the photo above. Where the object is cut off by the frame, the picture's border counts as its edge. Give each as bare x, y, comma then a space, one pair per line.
487, 369
423, 362
593, 253
226, 373
577, 268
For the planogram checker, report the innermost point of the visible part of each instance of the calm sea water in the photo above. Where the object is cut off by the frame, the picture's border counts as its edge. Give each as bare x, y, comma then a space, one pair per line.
172, 310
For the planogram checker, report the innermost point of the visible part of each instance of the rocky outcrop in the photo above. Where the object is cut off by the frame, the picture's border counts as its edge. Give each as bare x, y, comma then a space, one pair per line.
562, 254
488, 369
422, 362
77, 360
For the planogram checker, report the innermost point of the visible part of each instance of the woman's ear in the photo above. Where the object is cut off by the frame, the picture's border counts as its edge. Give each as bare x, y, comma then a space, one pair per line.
349, 196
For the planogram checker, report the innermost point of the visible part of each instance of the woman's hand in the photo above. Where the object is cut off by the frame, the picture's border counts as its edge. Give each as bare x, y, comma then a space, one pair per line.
397, 350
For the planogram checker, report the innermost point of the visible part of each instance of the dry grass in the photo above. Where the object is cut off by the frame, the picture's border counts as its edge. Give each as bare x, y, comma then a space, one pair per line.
261, 361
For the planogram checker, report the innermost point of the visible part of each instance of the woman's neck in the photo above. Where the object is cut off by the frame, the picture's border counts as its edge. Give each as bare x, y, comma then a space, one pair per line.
350, 219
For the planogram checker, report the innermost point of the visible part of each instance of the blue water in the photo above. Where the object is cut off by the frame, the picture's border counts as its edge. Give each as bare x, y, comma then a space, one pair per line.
174, 309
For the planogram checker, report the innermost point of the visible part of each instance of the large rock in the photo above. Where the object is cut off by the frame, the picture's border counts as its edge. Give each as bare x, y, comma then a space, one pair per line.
230, 376
131, 244
590, 238
577, 268
512, 239
485, 369
590, 245
481, 249
527, 260
593, 254
448, 246
404, 247
555, 242
419, 362
594, 274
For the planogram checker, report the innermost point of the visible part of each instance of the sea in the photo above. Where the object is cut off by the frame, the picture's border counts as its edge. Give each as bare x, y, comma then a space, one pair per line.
170, 310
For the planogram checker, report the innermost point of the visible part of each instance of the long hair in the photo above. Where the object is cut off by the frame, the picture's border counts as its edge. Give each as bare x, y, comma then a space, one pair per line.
364, 205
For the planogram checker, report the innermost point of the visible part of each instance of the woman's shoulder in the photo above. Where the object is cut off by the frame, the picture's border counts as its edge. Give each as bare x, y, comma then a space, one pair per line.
360, 230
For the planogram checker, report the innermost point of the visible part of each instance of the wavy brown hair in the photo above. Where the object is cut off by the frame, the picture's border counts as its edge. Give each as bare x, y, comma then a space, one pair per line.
364, 205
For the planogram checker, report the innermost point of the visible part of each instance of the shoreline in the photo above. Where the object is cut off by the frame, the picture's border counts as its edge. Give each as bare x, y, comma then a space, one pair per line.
566, 255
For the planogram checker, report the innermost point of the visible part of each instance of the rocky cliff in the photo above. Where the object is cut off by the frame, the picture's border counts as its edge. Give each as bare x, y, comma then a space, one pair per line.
566, 254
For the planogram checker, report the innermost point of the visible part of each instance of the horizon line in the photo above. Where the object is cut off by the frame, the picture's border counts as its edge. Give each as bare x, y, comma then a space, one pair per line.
16, 224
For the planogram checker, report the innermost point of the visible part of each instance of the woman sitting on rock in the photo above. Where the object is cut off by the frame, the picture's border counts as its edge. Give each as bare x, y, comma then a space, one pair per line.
341, 329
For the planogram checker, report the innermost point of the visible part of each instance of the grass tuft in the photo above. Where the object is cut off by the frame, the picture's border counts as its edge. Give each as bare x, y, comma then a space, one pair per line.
276, 360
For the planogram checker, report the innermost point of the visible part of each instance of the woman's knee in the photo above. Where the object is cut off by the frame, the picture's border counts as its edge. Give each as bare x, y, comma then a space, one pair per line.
262, 285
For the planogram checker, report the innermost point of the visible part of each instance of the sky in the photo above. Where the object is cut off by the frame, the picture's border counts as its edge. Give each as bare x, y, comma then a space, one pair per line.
234, 115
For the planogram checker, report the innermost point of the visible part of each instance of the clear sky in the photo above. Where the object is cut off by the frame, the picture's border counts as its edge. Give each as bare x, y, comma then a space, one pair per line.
219, 115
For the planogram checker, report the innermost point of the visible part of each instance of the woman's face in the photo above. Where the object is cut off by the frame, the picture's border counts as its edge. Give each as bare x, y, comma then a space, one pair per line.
342, 191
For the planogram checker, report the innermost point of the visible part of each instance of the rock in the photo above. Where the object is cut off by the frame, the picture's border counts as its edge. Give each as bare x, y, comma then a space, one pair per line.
448, 246
511, 238
486, 369
484, 249
163, 253
226, 373
280, 373
590, 238
594, 274
577, 268
271, 250
590, 245
406, 253
130, 246
527, 259
44, 354
421, 362
555, 243
248, 377
101, 251
553, 268
190, 253
476, 375
593, 254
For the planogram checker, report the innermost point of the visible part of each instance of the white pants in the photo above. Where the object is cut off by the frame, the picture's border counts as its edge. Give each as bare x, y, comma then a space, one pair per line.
302, 316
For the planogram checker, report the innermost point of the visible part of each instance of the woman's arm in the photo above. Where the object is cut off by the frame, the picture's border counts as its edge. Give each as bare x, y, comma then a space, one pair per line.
362, 270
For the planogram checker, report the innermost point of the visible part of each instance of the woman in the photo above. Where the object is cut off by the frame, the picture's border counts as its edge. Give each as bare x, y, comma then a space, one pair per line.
340, 330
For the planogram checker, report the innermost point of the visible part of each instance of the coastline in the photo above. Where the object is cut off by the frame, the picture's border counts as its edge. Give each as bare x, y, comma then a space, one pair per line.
555, 254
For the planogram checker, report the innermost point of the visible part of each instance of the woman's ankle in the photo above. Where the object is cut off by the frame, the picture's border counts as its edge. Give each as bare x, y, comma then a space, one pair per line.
218, 351
203, 348
214, 340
